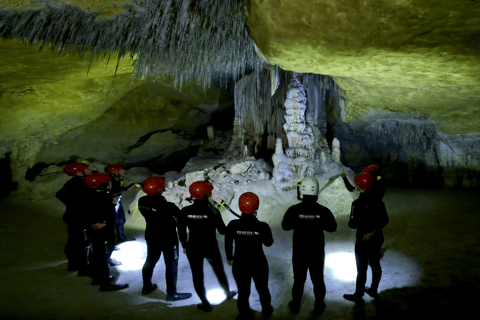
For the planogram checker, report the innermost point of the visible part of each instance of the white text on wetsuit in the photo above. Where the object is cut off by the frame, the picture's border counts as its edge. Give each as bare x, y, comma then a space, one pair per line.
191, 216
248, 233
308, 217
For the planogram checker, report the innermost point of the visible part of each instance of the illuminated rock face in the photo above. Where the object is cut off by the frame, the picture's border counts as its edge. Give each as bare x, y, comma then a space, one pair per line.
402, 56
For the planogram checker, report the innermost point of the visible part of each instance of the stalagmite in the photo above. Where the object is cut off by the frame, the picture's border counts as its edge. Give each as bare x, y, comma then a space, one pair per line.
336, 150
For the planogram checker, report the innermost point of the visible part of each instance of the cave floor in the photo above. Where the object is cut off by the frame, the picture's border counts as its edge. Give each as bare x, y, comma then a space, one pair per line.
430, 267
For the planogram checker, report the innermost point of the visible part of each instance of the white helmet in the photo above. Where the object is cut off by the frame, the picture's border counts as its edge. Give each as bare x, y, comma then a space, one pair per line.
309, 187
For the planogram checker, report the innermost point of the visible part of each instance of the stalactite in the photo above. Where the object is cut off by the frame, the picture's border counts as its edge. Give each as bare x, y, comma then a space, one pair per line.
188, 40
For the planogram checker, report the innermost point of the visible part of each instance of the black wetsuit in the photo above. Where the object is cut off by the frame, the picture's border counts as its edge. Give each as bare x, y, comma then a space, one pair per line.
376, 191
161, 236
74, 196
103, 240
367, 216
249, 260
308, 219
202, 221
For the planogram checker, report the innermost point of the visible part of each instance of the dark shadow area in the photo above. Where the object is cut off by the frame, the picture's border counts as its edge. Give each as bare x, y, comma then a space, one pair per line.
144, 139
34, 171
329, 136
6, 185
172, 162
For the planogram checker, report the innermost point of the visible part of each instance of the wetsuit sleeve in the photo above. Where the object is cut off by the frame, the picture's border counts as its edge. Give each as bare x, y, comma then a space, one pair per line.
267, 237
382, 217
220, 225
229, 234
329, 224
182, 228
288, 222
348, 185
353, 223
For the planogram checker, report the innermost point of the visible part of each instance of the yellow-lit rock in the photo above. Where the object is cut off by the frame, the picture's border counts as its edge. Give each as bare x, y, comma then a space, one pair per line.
398, 55
44, 92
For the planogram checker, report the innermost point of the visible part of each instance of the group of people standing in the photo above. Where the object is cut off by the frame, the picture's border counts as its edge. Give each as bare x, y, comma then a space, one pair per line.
308, 219
95, 221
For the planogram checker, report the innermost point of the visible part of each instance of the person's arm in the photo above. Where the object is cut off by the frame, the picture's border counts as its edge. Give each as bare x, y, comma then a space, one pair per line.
229, 240
329, 223
220, 225
267, 237
288, 222
353, 222
347, 184
182, 229
381, 219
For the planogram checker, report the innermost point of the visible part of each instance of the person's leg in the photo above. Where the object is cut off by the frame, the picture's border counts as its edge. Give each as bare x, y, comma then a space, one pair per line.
170, 256
260, 278
215, 260
75, 249
374, 256
153, 255
316, 266
196, 265
300, 268
362, 265
243, 278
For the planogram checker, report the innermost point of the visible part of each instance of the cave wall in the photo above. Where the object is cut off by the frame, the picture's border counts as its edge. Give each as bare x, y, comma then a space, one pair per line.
408, 146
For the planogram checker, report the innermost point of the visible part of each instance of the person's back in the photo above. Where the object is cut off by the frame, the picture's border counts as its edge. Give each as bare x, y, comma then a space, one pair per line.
249, 235
308, 219
367, 215
73, 195
160, 218
100, 210
202, 221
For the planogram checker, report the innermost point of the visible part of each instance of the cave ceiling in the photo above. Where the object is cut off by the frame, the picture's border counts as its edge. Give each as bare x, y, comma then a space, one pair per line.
413, 56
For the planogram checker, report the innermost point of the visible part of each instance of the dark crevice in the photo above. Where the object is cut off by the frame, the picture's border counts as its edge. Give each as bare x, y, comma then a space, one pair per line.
144, 138
7, 184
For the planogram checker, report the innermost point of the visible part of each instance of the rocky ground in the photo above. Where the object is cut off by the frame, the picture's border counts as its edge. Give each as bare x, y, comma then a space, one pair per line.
430, 266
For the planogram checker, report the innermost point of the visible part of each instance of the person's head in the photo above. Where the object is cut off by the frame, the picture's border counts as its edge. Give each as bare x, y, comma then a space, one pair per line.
115, 170
99, 181
374, 170
309, 188
363, 181
248, 204
153, 186
77, 169
201, 189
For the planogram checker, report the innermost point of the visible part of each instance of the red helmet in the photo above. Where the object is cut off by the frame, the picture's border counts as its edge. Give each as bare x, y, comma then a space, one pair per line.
369, 168
96, 179
113, 169
200, 188
73, 168
364, 180
248, 202
153, 186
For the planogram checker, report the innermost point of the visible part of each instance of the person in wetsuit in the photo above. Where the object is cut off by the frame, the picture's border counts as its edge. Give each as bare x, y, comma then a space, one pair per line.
202, 220
101, 231
249, 260
308, 219
73, 195
161, 236
116, 171
369, 216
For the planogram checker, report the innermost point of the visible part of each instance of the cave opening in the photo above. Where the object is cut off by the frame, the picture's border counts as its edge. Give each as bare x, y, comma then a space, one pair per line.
7, 184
